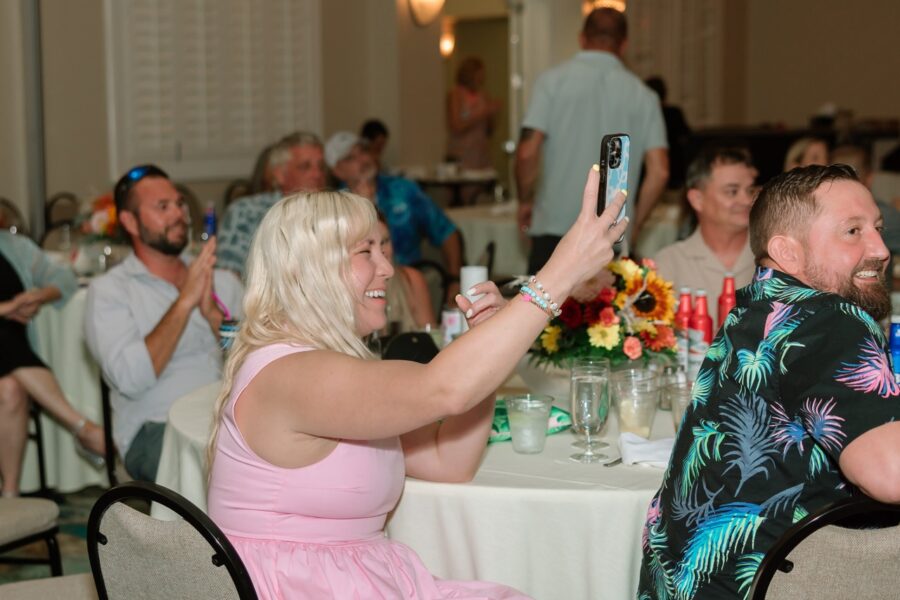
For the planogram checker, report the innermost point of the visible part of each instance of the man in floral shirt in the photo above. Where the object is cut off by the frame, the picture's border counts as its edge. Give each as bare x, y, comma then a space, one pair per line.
795, 403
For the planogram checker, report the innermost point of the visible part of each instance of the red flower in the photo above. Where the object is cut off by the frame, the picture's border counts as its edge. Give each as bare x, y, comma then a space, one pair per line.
571, 314
663, 340
649, 263
607, 295
608, 316
632, 347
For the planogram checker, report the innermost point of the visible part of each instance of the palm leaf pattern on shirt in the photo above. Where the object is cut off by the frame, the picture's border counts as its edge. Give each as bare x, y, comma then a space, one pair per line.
690, 509
661, 570
800, 513
865, 318
705, 446
703, 386
745, 570
728, 530
744, 416
824, 426
780, 323
779, 289
754, 368
787, 431
871, 374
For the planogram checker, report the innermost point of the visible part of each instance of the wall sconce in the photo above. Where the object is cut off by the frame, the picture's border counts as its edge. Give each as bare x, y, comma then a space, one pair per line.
588, 5
448, 38
425, 11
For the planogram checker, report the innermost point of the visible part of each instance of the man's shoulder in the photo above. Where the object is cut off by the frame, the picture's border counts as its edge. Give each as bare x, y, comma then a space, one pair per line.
253, 204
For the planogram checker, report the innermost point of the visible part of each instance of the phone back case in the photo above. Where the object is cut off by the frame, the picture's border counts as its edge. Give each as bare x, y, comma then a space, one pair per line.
616, 178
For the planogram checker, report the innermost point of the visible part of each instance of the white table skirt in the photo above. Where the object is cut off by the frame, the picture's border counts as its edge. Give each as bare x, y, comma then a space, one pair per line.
540, 523
61, 346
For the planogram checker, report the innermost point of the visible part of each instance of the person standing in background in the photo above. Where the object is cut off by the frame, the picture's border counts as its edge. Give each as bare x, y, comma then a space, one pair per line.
572, 107
470, 120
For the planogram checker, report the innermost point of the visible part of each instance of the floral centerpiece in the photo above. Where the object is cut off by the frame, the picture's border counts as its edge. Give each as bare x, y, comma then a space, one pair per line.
99, 222
630, 318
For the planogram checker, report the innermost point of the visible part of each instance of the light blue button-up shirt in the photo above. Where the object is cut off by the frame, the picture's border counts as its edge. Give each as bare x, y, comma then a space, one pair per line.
574, 105
123, 307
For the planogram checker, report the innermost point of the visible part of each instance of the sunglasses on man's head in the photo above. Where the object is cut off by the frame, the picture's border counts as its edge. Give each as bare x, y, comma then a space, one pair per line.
131, 179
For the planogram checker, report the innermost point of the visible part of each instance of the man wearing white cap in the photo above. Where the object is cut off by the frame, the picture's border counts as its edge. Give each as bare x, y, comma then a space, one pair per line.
411, 215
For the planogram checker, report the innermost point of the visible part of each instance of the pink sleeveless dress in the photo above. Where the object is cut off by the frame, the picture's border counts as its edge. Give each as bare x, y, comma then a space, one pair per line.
318, 531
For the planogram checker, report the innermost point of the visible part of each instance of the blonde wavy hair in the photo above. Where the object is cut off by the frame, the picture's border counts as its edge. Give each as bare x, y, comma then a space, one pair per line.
299, 285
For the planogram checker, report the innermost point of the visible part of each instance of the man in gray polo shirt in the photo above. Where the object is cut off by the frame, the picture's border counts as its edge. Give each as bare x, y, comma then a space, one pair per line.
572, 107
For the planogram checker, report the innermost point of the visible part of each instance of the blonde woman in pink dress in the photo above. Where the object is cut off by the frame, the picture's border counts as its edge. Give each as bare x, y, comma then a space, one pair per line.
314, 436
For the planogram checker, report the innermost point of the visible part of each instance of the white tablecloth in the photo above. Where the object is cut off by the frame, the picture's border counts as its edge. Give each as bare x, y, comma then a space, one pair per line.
541, 523
61, 346
493, 223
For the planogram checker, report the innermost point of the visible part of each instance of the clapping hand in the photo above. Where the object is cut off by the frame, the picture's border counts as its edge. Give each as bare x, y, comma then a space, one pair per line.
198, 283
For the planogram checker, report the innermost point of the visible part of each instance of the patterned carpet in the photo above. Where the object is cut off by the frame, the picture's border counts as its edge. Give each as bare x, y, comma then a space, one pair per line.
74, 509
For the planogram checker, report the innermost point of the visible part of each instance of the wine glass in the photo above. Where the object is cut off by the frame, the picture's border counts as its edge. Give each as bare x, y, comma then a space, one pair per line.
589, 394
601, 366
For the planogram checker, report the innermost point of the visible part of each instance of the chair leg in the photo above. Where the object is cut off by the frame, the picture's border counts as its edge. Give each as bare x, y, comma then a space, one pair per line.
38, 438
53, 556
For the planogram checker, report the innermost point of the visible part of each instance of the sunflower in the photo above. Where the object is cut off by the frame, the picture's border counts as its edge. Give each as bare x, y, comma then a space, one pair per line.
550, 338
602, 336
657, 303
627, 269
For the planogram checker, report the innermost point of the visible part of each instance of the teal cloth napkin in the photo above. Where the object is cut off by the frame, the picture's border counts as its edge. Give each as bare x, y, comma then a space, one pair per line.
559, 420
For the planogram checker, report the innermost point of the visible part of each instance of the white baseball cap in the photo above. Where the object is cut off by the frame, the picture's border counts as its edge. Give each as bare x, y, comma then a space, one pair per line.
339, 146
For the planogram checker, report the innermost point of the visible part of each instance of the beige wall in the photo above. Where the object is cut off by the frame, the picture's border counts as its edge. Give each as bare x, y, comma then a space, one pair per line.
804, 53
74, 82
13, 168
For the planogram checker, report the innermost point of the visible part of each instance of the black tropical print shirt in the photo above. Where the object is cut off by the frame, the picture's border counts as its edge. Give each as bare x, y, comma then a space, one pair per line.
793, 376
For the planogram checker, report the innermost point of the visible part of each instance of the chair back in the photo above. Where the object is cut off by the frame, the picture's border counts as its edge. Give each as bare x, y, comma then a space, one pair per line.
136, 556
412, 345
61, 208
826, 556
111, 453
11, 217
236, 189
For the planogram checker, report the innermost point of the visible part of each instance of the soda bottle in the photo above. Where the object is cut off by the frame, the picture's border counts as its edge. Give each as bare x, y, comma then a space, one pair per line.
727, 299
209, 222
699, 333
682, 324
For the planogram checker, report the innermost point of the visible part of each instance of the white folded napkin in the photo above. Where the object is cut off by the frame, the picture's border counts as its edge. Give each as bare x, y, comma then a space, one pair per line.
653, 453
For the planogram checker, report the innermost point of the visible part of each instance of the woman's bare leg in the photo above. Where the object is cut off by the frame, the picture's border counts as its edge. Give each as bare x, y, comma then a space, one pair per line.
43, 388
13, 433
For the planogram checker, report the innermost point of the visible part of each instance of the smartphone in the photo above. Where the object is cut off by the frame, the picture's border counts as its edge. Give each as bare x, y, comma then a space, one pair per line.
614, 154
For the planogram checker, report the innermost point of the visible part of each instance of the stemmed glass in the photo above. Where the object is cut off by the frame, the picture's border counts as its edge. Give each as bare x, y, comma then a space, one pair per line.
589, 395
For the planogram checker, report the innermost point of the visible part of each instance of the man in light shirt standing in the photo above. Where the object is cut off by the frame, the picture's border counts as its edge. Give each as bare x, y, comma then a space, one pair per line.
572, 107
152, 322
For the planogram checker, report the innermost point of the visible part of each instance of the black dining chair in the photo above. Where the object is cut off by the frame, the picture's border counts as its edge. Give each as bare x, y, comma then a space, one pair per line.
136, 556
847, 549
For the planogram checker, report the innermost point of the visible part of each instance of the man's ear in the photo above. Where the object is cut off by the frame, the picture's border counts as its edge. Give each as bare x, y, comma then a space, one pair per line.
788, 253
129, 222
695, 199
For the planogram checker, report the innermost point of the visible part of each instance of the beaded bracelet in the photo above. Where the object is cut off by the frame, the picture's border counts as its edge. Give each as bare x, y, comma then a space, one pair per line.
541, 298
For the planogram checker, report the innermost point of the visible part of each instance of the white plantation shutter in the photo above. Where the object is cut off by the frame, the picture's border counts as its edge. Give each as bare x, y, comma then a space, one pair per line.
200, 86
682, 40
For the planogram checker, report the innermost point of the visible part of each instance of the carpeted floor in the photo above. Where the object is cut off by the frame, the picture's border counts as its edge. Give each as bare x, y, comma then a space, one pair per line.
74, 509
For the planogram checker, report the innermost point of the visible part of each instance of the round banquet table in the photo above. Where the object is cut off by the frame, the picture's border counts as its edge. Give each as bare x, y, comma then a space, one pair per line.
540, 523
61, 345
